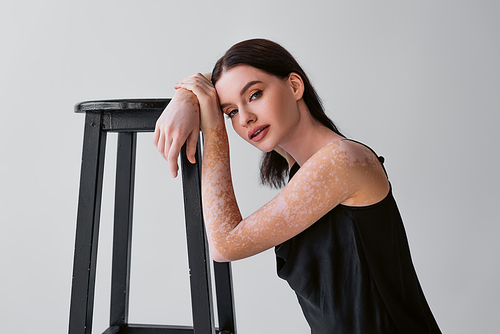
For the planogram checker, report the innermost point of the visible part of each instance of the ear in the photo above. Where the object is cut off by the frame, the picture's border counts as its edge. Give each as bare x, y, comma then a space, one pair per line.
296, 84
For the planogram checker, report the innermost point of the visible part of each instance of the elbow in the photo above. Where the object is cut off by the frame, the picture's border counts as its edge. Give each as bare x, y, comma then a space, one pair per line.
220, 259
217, 256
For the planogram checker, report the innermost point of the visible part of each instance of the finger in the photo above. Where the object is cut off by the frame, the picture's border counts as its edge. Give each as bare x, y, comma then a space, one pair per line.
174, 168
191, 144
161, 144
172, 158
166, 148
196, 80
156, 136
198, 89
197, 77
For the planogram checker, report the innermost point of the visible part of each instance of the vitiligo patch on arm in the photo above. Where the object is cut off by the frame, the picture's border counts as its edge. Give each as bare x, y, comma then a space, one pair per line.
323, 182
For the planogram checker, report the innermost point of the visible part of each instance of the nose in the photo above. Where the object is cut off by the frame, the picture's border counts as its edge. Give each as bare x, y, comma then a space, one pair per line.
246, 117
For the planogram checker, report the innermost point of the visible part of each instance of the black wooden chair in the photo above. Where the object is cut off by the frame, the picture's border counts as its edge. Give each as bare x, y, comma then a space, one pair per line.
127, 117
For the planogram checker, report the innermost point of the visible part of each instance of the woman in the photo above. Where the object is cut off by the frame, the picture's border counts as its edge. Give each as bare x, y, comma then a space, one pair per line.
339, 238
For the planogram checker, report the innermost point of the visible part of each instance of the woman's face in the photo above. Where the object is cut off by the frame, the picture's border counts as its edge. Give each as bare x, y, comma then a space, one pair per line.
262, 107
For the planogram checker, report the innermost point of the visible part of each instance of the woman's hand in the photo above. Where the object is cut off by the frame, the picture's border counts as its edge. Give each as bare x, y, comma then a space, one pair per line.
178, 124
210, 113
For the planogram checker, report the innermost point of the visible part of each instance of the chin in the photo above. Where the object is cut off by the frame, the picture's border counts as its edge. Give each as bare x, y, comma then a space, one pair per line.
263, 145
264, 148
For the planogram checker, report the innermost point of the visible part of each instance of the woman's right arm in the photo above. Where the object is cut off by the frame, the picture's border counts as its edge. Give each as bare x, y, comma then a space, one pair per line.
178, 124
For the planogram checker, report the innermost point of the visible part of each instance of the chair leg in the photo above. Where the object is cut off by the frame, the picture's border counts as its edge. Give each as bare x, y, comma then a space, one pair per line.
87, 226
122, 235
225, 299
198, 257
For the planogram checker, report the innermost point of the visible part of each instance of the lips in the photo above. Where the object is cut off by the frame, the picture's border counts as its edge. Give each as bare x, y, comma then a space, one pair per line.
258, 132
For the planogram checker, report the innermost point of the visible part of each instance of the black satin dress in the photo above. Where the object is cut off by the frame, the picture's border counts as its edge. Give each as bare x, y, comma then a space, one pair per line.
352, 273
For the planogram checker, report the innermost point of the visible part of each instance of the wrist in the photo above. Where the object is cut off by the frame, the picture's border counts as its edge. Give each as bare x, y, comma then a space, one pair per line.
212, 123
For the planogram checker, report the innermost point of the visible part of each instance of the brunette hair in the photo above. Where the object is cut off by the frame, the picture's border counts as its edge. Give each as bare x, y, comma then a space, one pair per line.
272, 58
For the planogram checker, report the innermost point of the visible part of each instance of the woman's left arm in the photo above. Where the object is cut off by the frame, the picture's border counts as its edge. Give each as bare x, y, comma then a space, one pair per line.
316, 188
323, 182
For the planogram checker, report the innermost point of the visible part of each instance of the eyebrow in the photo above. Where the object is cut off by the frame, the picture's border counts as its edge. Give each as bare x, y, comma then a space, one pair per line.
248, 85
243, 90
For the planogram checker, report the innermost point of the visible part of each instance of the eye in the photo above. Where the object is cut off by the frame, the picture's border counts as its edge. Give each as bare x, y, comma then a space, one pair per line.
255, 95
231, 113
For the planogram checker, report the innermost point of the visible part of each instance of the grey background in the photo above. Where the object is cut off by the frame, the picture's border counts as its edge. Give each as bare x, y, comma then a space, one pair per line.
417, 81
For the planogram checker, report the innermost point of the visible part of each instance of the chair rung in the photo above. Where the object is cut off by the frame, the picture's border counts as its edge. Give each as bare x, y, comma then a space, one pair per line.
148, 329
153, 329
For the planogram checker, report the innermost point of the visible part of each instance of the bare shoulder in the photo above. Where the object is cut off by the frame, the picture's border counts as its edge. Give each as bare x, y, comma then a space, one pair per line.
354, 166
346, 154
359, 153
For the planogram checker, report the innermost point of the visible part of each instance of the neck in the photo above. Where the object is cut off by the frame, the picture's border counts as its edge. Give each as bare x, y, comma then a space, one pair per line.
307, 138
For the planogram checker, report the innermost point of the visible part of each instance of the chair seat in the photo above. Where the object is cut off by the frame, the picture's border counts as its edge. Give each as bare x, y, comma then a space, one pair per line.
138, 115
